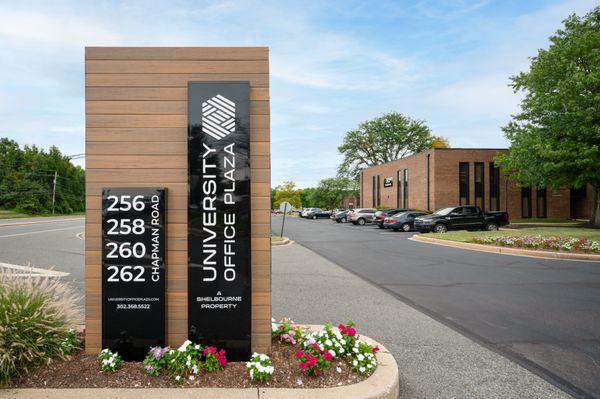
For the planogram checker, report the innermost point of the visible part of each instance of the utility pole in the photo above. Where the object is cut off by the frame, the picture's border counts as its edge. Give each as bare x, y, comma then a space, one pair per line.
283, 223
54, 190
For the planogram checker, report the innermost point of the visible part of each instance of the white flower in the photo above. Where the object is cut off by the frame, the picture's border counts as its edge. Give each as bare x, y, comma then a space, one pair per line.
328, 342
184, 346
191, 378
355, 350
362, 369
252, 373
338, 369
299, 381
360, 357
370, 366
177, 378
197, 347
355, 363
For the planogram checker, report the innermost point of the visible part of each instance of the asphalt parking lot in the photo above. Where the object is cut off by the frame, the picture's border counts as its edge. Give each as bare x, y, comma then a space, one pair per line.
542, 313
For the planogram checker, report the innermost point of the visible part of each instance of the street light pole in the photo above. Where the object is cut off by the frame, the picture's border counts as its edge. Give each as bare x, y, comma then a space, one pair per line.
54, 190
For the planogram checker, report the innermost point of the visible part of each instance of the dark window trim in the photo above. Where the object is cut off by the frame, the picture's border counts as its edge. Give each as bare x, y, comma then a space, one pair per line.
494, 173
398, 188
482, 168
544, 195
378, 190
468, 185
525, 194
405, 194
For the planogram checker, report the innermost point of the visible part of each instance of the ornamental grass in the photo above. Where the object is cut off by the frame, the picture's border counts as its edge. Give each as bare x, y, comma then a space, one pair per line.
37, 320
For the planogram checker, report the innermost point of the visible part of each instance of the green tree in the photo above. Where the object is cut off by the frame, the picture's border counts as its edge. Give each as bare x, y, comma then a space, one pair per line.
380, 140
27, 175
555, 138
307, 197
287, 191
330, 192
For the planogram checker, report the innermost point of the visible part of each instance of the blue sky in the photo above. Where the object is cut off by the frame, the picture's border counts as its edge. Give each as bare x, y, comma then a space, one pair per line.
333, 64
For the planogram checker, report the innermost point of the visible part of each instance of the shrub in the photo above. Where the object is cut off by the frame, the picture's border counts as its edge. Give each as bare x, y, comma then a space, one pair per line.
260, 367
286, 331
109, 361
37, 315
184, 362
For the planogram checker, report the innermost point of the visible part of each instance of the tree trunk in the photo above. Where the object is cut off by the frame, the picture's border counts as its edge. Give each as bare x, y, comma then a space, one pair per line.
595, 219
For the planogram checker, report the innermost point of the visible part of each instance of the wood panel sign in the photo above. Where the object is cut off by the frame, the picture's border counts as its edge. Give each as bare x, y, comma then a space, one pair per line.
133, 270
219, 274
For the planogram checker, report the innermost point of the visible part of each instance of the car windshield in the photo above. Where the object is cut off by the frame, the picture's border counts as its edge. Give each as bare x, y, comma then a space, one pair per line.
399, 215
443, 211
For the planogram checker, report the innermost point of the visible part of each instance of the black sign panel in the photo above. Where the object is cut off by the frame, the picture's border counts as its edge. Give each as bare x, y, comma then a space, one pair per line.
219, 278
133, 270
388, 182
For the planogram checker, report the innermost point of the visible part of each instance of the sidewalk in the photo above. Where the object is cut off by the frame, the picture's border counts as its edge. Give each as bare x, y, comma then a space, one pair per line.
434, 361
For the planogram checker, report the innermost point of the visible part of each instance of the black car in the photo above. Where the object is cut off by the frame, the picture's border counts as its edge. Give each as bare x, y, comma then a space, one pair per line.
340, 217
402, 221
317, 213
382, 214
461, 218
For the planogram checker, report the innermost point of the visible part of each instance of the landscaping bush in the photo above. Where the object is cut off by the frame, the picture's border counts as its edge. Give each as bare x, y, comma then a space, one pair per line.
37, 316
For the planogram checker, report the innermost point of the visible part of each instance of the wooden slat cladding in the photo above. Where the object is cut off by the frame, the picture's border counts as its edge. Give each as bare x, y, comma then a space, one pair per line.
164, 66
156, 107
177, 53
136, 135
170, 80
154, 94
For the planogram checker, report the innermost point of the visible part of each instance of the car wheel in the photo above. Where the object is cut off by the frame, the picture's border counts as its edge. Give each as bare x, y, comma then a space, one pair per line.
344, 220
355, 223
492, 226
440, 228
361, 221
406, 227
314, 217
338, 221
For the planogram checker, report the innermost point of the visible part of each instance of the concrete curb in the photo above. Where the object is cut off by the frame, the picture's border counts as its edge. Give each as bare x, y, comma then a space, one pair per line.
506, 250
285, 241
384, 383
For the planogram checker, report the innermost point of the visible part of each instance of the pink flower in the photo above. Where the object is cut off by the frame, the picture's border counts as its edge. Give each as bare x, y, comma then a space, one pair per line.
210, 349
303, 366
298, 354
149, 367
328, 356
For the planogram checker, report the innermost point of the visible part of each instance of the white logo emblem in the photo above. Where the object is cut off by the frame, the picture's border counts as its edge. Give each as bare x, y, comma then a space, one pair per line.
218, 117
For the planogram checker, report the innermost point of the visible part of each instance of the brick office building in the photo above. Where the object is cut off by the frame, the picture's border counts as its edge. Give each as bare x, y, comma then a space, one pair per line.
440, 178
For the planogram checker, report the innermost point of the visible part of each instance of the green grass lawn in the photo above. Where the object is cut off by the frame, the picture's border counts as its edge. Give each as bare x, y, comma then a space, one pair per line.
277, 239
545, 231
12, 214
545, 222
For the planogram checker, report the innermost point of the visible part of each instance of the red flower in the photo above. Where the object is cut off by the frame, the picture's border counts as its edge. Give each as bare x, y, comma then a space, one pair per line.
316, 346
298, 354
210, 349
221, 358
328, 355
351, 331
376, 349
303, 366
342, 328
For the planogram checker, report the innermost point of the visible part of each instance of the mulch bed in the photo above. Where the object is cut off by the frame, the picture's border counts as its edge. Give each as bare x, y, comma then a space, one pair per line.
83, 371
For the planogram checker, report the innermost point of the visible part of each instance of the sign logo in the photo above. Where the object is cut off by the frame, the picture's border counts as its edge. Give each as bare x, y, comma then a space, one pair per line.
218, 117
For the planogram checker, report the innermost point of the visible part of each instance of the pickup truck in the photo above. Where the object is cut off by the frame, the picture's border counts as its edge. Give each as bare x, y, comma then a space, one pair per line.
461, 218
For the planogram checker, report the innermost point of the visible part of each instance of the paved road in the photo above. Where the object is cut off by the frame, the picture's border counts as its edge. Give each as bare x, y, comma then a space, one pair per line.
45, 243
544, 314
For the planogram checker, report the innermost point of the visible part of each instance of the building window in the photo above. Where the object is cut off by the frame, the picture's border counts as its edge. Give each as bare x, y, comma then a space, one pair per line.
374, 194
405, 193
541, 203
398, 185
378, 191
525, 202
463, 183
494, 188
479, 188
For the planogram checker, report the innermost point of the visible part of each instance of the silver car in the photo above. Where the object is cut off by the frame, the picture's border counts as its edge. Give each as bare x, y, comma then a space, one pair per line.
361, 216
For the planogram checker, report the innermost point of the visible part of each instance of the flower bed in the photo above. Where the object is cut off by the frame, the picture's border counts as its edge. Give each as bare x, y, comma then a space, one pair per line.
330, 357
567, 244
